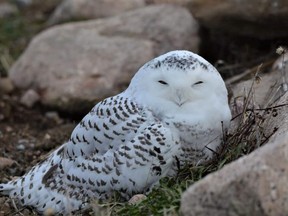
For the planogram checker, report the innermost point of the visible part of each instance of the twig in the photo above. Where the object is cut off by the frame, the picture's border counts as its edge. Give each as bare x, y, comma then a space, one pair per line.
259, 109
250, 91
247, 72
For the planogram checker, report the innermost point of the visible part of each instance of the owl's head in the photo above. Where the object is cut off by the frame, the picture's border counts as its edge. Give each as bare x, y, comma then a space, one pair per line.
178, 80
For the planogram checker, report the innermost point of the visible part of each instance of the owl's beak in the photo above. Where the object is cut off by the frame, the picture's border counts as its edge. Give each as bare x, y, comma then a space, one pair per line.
180, 99
180, 103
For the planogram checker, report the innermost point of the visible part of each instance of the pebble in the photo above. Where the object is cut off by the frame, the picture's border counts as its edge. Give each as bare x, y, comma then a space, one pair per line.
29, 98
9, 129
21, 144
137, 199
49, 212
54, 116
47, 137
6, 162
6, 85
20, 147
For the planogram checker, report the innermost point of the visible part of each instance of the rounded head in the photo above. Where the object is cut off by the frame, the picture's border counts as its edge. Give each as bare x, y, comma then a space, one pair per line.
177, 80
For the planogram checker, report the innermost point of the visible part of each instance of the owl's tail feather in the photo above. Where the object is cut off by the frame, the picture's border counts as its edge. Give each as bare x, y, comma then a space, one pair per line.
5, 189
33, 189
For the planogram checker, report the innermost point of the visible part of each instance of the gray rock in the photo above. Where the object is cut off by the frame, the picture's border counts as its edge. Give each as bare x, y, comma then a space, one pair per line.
74, 65
92, 9
257, 18
39, 4
256, 185
52, 115
6, 86
29, 98
7, 9
6, 162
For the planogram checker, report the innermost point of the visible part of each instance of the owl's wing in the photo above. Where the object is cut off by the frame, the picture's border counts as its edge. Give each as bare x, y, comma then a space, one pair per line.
132, 168
120, 144
114, 148
111, 122
67, 184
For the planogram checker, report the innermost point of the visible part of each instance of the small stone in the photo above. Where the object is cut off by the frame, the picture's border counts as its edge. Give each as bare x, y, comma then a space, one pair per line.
21, 144
54, 116
6, 85
137, 199
31, 145
23, 141
6, 162
20, 147
280, 50
49, 212
29, 98
9, 129
47, 137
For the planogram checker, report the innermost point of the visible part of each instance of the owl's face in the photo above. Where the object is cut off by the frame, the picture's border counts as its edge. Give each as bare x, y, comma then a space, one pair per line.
177, 81
181, 87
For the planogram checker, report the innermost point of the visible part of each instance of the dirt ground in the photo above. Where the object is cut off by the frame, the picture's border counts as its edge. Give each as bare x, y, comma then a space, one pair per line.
26, 136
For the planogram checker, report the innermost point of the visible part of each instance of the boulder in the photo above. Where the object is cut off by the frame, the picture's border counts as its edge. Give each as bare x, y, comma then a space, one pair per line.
38, 5
92, 9
257, 18
256, 185
74, 65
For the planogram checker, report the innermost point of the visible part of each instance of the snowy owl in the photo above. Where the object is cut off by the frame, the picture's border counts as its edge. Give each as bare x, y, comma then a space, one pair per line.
173, 113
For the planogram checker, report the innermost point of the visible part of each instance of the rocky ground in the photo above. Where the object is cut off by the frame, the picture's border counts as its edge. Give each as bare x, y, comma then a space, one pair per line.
26, 136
